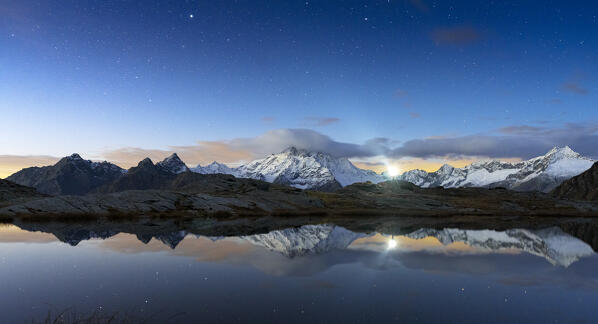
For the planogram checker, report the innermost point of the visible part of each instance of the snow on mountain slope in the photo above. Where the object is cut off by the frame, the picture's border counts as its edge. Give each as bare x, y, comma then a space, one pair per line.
344, 171
552, 244
306, 170
541, 173
293, 167
214, 168
173, 164
307, 239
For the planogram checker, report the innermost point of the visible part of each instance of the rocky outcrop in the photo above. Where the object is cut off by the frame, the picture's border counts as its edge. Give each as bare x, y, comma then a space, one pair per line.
11, 193
581, 187
146, 175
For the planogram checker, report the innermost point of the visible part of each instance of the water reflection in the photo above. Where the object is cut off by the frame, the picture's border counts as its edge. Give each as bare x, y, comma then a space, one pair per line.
298, 274
552, 244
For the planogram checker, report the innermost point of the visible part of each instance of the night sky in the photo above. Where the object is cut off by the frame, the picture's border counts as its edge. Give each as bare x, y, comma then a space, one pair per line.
417, 83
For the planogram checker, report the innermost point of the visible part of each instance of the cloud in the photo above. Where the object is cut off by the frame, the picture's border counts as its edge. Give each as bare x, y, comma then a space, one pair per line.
268, 119
460, 35
382, 141
240, 150
280, 139
574, 87
521, 130
321, 121
515, 141
203, 153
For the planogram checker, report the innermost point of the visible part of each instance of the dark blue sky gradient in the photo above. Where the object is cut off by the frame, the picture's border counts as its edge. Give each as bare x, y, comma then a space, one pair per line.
89, 76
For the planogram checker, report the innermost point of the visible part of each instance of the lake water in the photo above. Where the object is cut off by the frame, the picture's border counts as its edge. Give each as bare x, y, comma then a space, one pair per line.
306, 274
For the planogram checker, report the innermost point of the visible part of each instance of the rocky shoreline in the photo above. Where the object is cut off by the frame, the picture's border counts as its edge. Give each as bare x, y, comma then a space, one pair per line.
390, 198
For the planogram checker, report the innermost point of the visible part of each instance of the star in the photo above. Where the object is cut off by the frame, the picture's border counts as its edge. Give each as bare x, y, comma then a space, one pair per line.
191, 16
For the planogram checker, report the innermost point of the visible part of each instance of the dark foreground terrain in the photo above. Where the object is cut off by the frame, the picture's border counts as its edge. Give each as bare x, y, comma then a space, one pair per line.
195, 195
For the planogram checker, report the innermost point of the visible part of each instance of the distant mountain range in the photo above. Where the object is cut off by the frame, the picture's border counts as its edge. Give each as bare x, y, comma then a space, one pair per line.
542, 173
297, 168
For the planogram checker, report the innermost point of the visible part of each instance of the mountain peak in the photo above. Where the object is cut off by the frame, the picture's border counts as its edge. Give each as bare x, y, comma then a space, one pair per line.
75, 156
446, 169
72, 175
305, 169
172, 156
213, 168
564, 151
145, 162
542, 173
173, 164
292, 150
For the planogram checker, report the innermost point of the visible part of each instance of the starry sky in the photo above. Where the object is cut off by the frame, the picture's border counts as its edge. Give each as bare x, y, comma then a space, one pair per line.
414, 82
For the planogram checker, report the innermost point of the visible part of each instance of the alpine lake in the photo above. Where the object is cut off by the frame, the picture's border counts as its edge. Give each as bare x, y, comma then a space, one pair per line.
299, 271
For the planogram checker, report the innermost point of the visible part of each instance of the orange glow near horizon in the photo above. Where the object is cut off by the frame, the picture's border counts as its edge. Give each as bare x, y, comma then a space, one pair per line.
11, 164
430, 165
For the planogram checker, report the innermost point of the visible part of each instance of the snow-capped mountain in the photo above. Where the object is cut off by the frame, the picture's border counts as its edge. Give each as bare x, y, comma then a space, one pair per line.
292, 167
542, 173
173, 164
307, 239
299, 168
552, 244
214, 168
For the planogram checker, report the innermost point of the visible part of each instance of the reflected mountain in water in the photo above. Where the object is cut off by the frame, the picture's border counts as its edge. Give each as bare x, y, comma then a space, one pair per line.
552, 244
555, 244
307, 239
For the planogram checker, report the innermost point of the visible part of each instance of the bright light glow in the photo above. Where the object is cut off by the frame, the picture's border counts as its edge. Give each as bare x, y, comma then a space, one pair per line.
392, 244
392, 170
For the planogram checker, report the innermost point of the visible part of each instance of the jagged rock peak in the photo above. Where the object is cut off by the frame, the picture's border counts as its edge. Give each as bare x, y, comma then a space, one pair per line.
292, 150
74, 156
145, 162
173, 164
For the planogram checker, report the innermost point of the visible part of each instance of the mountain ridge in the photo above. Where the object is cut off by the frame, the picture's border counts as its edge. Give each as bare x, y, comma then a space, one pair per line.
299, 168
305, 169
542, 173
71, 175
